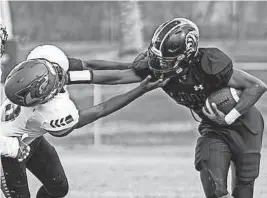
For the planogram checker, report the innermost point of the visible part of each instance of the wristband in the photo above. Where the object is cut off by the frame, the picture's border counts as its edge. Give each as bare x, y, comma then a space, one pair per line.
232, 116
9, 146
80, 77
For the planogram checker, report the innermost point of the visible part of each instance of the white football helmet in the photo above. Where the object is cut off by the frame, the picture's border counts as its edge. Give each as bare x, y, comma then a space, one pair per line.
51, 53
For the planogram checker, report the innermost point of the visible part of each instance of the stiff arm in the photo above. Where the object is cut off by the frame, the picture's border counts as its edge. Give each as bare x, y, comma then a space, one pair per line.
109, 72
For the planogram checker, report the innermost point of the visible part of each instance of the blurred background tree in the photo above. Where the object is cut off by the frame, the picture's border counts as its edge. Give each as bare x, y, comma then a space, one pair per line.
104, 21
131, 25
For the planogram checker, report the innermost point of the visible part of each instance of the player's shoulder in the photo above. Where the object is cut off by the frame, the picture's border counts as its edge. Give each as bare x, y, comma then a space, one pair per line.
214, 60
59, 113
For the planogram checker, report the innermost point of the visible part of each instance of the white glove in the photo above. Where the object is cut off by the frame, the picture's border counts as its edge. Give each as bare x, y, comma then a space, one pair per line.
14, 147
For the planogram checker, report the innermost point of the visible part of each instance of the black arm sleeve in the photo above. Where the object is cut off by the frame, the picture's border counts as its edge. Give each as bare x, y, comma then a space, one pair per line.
75, 64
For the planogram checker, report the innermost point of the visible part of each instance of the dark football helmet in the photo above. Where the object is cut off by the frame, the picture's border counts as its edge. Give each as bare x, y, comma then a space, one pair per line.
173, 46
34, 82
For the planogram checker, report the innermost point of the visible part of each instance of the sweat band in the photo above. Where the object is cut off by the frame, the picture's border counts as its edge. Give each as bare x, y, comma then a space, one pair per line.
232, 116
80, 77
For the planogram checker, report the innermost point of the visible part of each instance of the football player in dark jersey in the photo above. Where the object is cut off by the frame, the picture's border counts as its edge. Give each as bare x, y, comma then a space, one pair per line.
194, 74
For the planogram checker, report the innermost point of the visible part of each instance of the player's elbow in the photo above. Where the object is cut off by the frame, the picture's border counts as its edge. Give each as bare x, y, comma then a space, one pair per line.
261, 86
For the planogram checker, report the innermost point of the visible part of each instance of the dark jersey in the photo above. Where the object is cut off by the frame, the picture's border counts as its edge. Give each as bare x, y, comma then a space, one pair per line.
209, 73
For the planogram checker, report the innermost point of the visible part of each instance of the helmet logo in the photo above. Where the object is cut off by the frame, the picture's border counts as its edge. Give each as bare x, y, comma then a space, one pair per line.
33, 93
191, 41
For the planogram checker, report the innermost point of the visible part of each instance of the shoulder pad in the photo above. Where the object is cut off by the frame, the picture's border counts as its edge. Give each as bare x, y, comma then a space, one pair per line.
214, 61
60, 113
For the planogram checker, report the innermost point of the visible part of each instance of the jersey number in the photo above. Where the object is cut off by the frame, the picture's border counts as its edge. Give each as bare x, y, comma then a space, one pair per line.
11, 111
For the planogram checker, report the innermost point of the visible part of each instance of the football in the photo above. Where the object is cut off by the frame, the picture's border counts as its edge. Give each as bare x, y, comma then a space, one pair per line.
225, 99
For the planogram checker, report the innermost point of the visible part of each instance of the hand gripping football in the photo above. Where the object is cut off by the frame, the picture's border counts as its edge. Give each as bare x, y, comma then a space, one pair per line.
225, 99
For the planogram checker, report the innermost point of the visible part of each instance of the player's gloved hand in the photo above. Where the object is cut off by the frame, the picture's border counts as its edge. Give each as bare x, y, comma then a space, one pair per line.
214, 114
24, 149
147, 85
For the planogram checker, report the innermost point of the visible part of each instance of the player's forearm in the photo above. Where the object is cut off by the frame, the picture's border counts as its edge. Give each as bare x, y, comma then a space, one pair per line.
91, 114
121, 101
253, 88
250, 96
106, 65
107, 77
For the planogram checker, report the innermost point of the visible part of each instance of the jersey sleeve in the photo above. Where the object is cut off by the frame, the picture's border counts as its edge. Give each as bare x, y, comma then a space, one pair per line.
75, 64
59, 116
61, 125
218, 66
140, 65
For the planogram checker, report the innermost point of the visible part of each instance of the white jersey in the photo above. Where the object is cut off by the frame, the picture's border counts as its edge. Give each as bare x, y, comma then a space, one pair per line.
58, 114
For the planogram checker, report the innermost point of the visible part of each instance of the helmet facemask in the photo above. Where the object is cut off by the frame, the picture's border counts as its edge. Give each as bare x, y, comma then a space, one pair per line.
59, 80
168, 66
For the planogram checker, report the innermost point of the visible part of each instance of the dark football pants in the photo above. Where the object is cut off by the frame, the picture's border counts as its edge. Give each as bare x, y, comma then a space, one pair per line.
44, 163
214, 151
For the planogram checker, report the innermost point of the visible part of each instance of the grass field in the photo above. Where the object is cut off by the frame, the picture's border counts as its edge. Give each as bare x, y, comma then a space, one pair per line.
136, 172
147, 148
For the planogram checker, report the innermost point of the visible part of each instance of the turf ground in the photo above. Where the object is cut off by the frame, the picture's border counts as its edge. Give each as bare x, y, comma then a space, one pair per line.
147, 148
136, 172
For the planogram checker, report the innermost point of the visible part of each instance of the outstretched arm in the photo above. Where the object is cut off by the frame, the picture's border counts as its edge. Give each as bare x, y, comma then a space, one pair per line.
105, 65
91, 114
80, 74
107, 77
79, 64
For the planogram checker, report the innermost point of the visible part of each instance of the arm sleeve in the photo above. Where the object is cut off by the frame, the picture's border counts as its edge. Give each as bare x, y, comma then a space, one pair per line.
218, 66
75, 64
60, 127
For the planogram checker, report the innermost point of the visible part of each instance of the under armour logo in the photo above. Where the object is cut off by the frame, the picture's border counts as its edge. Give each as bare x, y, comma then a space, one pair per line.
198, 87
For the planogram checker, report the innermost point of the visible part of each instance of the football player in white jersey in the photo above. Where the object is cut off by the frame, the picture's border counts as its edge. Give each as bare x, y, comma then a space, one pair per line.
18, 149
38, 103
